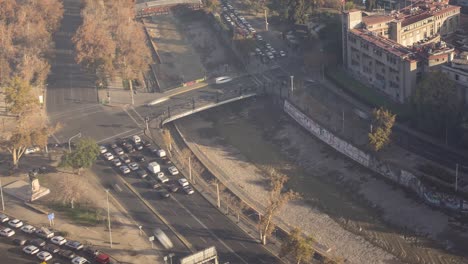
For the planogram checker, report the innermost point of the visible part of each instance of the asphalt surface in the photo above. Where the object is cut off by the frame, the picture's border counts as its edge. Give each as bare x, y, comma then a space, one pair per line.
72, 101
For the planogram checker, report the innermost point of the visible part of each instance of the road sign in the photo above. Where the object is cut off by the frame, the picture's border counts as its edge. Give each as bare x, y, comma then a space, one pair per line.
51, 216
151, 238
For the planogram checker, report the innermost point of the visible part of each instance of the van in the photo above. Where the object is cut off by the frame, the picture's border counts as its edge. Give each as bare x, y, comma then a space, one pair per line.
161, 153
154, 167
163, 238
136, 139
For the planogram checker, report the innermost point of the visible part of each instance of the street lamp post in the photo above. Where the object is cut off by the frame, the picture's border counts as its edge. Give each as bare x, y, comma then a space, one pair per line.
108, 219
292, 85
69, 140
1, 193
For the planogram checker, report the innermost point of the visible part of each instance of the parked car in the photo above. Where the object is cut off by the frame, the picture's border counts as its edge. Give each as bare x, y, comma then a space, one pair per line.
51, 248
44, 233
124, 169
133, 166
183, 182
30, 250
119, 151
173, 188
19, 241
7, 232
74, 245
141, 173
129, 148
80, 260
138, 146
140, 158
125, 159
90, 252
146, 143
153, 184
102, 258
16, 223
44, 256
114, 145
4, 218
161, 177
102, 149
37, 242
58, 240
66, 254
136, 139
164, 193
166, 161
161, 153
29, 229
31, 150
188, 190
108, 156
173, 170
117, 162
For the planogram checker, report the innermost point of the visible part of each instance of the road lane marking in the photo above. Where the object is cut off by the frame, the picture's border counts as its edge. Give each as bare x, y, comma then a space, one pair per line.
211, 232
138, 114
188, 226
125, 132
242, 244
134, 120
158, 101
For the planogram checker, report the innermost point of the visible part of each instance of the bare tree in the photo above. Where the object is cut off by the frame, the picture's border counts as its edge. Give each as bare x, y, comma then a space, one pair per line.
70, 189
277, 199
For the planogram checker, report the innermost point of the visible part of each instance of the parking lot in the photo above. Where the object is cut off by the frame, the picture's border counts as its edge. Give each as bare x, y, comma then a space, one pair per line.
26, 243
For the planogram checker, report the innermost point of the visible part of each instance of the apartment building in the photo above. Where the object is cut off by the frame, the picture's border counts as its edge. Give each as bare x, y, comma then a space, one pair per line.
457, 70
375, 52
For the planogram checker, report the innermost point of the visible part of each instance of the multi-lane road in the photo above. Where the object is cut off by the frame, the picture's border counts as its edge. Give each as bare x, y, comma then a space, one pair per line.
72, 100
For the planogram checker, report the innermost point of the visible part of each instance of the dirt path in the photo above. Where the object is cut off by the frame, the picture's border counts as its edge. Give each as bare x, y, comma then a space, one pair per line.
340, 198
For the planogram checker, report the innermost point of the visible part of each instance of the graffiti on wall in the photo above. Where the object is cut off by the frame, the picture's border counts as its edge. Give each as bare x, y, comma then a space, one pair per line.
391, 172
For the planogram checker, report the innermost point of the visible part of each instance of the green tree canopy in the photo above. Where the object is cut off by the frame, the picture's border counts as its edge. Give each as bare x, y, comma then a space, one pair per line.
382, 124
297, 246
436, 105
19, 97
83, 156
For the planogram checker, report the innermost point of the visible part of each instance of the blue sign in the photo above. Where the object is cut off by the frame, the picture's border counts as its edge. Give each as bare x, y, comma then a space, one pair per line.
51, 216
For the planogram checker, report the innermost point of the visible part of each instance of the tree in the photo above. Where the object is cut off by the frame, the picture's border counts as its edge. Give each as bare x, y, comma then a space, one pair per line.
70, 189
19, 97
382, 124
83, 156
298, 246
349, 5
167, 139
211, 5
370, 5
436, 105
277, 200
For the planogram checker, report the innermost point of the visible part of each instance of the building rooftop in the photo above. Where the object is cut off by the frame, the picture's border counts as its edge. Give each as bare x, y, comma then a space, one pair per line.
384, 43
376, 19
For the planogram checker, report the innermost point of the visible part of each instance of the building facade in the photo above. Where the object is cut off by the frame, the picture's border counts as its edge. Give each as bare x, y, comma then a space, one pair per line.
457, 70
378, 50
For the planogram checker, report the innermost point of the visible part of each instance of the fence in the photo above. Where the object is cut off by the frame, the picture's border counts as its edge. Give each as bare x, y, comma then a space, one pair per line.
391, 172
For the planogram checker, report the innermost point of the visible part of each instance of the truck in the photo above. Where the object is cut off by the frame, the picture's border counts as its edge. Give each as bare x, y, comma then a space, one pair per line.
154, 167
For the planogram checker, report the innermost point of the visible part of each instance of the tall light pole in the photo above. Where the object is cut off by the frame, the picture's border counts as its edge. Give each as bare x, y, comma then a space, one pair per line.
266, 20
292, 84
190, 168
108, 219
69, 140
1, 194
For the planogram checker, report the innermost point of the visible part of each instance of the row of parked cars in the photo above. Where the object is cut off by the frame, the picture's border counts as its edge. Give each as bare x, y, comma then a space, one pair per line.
151, 171
236, 21
46, 245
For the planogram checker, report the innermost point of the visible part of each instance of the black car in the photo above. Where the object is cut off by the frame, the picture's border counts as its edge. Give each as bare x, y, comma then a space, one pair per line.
114, 145
145, 143
163, 193
140, 158
20, 242
51, 248
90, 252
66, 254
129, 148
138, 146
73, 245
153, 184
166, 161
173, 188
125, 159
142, 173
37, 242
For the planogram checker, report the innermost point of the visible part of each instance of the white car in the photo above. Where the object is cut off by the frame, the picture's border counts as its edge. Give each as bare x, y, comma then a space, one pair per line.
7, 232
173, 170
108, 156
79, 260
29, 229
188, 190
183, 182
102, 149
58, 240
282, 53
223, 79
30, 250
44, 256
32, 150
16, 223
161, 177
133, 166
124, 169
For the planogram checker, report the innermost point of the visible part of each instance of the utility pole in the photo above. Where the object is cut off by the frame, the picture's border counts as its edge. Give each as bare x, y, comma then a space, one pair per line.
266, 20
69, 140
108, 219
217, 193
190, 168
456, 178
1, 194
292, 85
